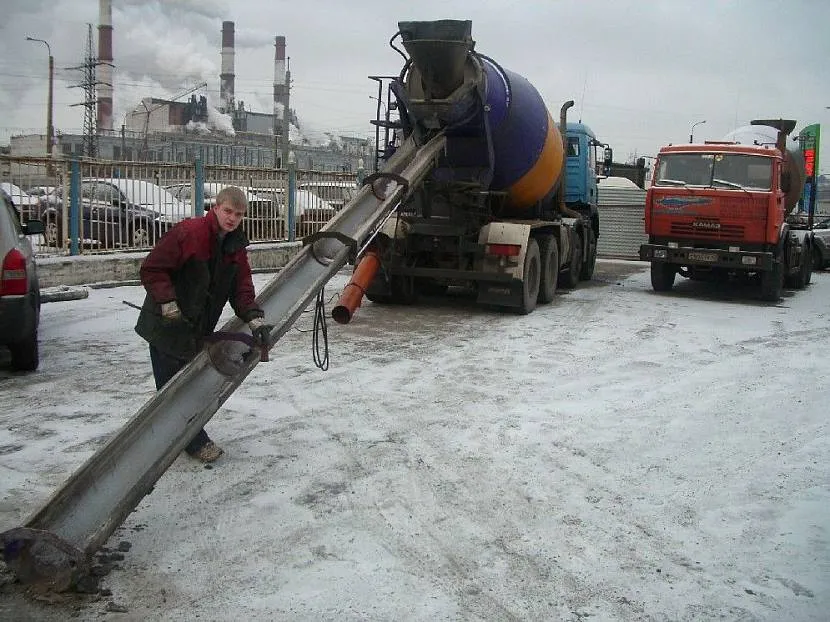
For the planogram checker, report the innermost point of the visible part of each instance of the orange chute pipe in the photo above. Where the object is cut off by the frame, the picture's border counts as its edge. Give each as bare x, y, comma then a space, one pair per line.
352, 294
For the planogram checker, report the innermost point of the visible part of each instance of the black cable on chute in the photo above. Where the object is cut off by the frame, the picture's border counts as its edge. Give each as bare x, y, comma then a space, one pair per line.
320, 352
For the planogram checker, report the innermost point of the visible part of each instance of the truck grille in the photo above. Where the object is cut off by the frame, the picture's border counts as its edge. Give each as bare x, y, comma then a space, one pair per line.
723, 232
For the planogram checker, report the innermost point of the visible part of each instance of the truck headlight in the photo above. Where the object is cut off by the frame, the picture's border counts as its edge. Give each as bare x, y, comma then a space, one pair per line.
672, 244
749, 261
660, 253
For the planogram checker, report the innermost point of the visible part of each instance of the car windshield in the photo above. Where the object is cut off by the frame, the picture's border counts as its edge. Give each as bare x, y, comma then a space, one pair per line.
719, 170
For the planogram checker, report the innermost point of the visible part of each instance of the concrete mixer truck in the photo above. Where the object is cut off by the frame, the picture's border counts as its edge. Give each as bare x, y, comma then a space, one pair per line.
510, 208
723, 210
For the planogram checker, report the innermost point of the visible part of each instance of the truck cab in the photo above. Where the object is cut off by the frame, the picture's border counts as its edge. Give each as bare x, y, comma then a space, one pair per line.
581, 184
719, 209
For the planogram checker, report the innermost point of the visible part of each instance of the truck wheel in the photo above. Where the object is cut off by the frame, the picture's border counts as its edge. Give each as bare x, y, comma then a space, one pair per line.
549, 261
772, 283
403, 289
531, 278
591, 261
662, 276
24, 354
570, 276
430, 287
807, 267
818, 259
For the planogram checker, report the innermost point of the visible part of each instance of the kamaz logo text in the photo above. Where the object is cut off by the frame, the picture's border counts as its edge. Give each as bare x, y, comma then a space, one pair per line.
706, 224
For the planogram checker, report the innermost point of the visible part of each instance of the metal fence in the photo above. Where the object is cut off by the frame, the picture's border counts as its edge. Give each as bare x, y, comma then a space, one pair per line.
109, 206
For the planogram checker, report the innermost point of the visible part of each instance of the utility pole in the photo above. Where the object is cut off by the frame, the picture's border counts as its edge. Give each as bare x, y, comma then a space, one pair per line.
89, 84
50, 129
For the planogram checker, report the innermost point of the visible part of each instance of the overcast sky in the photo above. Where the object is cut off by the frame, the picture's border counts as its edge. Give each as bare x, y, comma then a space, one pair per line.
641, 73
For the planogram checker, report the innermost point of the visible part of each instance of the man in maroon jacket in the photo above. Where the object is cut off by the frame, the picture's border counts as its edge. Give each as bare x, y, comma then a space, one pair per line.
193, 270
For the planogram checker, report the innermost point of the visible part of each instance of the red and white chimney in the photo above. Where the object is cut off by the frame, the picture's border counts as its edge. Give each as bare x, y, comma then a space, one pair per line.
226, 77
105, 67
280, 84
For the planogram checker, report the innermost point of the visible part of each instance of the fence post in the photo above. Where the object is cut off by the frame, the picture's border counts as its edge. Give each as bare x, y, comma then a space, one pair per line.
74, 202
361, 172
199, 190
292, 195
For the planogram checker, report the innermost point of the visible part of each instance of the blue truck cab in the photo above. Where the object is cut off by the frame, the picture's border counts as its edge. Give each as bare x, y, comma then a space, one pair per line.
581, 168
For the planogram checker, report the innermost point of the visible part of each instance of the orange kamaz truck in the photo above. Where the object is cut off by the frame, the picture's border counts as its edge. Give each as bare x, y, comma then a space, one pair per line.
724, 209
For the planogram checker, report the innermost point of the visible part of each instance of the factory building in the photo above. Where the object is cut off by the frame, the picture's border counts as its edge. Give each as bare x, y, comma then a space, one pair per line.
173, 130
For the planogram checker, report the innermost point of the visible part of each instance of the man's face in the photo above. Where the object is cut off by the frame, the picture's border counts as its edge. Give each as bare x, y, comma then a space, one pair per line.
228, 216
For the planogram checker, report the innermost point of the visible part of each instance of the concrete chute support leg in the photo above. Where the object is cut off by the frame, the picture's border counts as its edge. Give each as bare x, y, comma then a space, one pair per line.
58, 541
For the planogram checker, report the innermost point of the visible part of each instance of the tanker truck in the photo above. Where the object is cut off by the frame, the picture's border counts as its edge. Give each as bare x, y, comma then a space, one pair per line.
723, 209
510, 208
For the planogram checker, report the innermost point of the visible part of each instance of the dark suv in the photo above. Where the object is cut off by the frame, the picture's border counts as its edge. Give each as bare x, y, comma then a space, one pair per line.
19, 290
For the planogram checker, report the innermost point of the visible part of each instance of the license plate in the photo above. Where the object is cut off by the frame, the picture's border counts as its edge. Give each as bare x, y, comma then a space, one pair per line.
698, 256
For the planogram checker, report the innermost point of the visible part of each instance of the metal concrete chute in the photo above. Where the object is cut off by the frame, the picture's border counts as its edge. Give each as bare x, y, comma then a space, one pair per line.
57, 542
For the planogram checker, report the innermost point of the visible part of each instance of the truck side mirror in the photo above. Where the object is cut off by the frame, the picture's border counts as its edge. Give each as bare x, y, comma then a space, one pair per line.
607, 160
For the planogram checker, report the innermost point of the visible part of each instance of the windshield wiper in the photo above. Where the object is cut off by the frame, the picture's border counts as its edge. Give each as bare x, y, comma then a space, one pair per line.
671, 182
730, 184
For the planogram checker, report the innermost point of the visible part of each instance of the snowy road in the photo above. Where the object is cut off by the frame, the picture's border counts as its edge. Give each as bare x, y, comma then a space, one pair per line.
617, 455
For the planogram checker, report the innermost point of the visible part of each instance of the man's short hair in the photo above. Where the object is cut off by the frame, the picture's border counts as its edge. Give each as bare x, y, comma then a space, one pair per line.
233, 195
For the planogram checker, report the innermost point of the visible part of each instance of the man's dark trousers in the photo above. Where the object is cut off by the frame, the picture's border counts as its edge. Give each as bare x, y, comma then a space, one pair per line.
164, 368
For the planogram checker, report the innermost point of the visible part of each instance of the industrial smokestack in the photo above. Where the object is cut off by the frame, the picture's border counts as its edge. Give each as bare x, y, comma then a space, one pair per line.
281, 88
226, 78
280, 84
106, 66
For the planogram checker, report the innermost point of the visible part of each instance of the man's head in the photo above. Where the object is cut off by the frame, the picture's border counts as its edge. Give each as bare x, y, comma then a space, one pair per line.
230, 207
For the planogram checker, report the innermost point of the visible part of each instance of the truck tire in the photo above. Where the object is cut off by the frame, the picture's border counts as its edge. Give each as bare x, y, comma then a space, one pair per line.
801, 278
807, 266
818, 258
549, 261
570, 275
531, 278
662, 276
403, 289
772, 283
587, 272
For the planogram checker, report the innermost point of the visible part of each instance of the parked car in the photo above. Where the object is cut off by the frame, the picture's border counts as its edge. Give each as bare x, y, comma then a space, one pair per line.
261, 221
19, 288
25, 203
115, 213
821, 248
336, 193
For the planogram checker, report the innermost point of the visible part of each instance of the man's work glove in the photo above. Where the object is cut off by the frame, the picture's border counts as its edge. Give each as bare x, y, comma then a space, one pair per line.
260, 331
170, 311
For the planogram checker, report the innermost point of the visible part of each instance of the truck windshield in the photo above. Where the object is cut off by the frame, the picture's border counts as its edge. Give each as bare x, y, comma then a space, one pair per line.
719, 170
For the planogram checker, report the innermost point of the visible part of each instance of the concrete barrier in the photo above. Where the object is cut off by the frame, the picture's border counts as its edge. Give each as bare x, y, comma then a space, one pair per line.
123, 267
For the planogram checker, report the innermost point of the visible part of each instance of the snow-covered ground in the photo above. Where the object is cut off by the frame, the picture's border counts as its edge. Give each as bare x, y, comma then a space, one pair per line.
616, 455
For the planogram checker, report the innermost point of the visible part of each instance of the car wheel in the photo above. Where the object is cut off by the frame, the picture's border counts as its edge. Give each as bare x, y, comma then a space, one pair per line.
25, 356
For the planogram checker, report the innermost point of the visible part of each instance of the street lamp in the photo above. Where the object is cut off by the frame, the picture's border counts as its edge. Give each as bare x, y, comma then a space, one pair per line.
50, 131
692, 131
